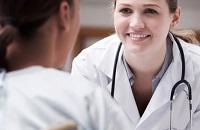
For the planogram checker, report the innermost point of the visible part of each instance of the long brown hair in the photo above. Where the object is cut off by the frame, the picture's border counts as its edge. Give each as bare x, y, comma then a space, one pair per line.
188, 35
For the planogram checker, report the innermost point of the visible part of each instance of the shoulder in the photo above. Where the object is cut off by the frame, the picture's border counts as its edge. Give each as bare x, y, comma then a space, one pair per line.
101, 46
98, 50
192, 57
44, 91
191, 50
45, 82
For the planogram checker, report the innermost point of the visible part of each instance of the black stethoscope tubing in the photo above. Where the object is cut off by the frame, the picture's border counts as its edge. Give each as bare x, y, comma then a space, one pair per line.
114, 70
174, 87
181, 81
183, 73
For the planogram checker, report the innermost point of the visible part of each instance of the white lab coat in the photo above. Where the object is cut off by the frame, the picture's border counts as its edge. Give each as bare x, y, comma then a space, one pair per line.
96, 64
39, 98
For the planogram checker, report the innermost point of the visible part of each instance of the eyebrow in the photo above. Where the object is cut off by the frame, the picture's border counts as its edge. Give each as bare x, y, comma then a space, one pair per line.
154, 5
124, 4
146, 5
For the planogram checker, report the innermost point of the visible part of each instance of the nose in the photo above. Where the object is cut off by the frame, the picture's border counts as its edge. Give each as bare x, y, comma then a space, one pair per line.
136, 22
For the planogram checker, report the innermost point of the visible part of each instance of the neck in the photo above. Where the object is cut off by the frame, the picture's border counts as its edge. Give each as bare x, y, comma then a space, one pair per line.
22, 55
148, 64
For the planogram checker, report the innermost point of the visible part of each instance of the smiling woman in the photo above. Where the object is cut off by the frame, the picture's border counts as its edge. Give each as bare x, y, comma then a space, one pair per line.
148, 65
35, 39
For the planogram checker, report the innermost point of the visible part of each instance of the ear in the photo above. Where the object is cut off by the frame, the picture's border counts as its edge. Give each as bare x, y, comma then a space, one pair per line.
64, 16
113, 6
176, 17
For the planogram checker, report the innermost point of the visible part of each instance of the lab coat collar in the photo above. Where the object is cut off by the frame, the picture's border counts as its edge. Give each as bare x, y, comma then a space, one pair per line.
177, 63
161, 96
107, 62
123, 94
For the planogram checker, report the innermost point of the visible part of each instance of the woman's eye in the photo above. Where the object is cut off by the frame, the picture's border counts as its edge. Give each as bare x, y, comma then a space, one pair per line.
150, 11
125, 11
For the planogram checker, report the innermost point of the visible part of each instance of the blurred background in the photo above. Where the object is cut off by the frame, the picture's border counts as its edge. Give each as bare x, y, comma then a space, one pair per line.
97, 22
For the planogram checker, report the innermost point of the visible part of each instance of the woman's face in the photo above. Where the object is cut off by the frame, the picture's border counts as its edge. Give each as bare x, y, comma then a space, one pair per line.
143, 25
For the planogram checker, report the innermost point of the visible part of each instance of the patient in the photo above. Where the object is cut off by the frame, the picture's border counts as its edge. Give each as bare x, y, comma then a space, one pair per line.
35, 39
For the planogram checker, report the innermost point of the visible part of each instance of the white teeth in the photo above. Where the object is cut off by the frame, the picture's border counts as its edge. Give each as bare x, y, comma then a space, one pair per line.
138, 35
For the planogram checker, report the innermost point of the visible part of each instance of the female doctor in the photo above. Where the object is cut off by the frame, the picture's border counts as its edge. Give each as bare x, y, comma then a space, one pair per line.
35, 39
149, 64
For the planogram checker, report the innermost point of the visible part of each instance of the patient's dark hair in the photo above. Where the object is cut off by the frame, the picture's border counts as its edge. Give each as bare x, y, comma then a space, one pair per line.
22, 18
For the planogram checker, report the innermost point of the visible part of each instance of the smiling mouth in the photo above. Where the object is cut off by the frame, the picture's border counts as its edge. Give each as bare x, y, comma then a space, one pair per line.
138, 37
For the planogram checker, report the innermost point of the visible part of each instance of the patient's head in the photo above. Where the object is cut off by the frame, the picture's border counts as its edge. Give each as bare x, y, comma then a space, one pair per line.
37, 32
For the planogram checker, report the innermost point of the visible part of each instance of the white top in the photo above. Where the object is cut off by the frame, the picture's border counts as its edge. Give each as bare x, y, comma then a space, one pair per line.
96, 64
39, 98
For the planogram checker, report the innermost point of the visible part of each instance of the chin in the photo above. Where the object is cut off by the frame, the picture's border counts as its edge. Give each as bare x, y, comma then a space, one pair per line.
135, 48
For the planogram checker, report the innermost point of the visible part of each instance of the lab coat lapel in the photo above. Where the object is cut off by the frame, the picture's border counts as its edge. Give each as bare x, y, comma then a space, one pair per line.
162, 94
107, 62
123, 93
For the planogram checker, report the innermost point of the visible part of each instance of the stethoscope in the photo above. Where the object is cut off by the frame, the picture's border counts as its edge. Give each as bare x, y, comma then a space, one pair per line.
172, 97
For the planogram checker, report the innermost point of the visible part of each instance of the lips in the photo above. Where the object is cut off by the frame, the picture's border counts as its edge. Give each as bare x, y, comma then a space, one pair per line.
138, 37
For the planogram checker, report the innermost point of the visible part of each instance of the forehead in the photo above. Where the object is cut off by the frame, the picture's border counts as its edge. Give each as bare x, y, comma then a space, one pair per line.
143, 2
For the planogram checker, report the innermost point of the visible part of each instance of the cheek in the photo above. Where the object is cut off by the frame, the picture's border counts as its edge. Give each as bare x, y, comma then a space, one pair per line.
120, 24
158, 26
